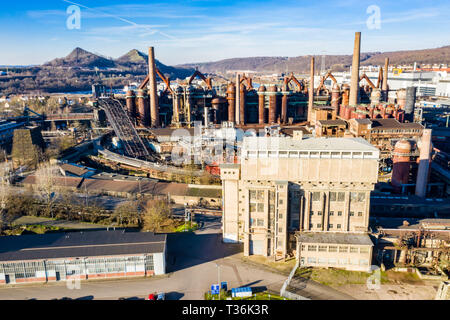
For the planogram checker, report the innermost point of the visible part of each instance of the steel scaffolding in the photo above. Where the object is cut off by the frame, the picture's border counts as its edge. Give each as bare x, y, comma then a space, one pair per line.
124, 129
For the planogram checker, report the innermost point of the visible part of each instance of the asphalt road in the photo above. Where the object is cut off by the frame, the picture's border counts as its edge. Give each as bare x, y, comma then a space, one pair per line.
195, 261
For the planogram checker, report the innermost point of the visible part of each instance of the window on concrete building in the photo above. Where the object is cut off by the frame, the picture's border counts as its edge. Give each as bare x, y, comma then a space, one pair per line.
361, 196
322, 248
271, 196
312, 247
311, 226
319, 213
338, 225
363, 262
360, 214
260, 207
260, 222
281, 201
280, 230
311, 213
341, 196
252, 194
353, 196
343, 261
352, 213
252, 207
315, 196
354, 250
322, 261
339, 213
332, 248
260, 195
271, 208
331, 213
332, 196
331, 260
363, 250
280, 216
311, 260
343, 249
319, 225
330, 226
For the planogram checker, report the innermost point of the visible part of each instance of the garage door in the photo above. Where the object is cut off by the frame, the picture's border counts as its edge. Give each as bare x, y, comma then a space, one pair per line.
257, 247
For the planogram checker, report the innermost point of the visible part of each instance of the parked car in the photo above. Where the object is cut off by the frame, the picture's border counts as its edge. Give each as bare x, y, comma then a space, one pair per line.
161, 296
151, 296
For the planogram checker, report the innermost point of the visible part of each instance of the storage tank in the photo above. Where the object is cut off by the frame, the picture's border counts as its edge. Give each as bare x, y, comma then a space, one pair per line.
131, 103
272, 104
401, 98
375, 97
401, 160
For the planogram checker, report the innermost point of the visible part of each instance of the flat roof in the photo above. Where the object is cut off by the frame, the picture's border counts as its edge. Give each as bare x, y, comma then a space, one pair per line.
362, 121
336, 122
334, 238
391, 123
80, 244
308, 144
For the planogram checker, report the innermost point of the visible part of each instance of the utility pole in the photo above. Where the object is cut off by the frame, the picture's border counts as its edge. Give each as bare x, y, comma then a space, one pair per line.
218, 278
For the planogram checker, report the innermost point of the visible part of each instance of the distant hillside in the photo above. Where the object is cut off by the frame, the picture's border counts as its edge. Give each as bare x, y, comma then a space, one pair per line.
333, 62
79, 70
136, 60
81, 58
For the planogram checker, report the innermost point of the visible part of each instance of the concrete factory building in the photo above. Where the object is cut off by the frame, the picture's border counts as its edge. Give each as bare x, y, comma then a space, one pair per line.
81, 255
294, 194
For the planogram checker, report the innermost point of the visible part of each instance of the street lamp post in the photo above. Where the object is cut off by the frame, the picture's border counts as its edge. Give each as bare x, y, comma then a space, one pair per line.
218, 278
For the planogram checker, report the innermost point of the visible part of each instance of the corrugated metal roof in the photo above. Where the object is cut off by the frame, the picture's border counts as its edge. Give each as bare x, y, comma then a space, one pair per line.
79, 244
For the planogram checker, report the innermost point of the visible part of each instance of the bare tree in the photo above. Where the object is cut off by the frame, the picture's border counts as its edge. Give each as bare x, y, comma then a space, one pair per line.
5, 174
127, 214
157, 215
46, 187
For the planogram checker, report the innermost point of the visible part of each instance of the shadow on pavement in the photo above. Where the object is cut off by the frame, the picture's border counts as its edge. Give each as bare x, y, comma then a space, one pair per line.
174, 295
187, 249
85, 298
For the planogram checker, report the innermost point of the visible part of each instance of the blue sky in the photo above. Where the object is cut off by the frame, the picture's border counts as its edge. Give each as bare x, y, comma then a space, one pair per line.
34, 32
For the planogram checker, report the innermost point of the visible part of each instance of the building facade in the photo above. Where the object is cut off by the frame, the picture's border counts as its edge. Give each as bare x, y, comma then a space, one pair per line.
285, 187
81, 255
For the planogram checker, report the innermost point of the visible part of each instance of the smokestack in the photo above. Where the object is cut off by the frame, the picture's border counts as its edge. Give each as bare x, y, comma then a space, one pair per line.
354, 86
424, 164
238, 98
311, 90
261, 102
384, 85
154, 107
284, 102
231, 97
242, 103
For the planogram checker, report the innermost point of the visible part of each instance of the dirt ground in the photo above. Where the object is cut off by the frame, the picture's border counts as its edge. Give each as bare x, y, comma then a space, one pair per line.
391, 291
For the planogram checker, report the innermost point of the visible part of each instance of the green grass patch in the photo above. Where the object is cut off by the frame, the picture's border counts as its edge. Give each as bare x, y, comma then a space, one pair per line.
333, 277
187, 227
31, 229
224, 295
206, 193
